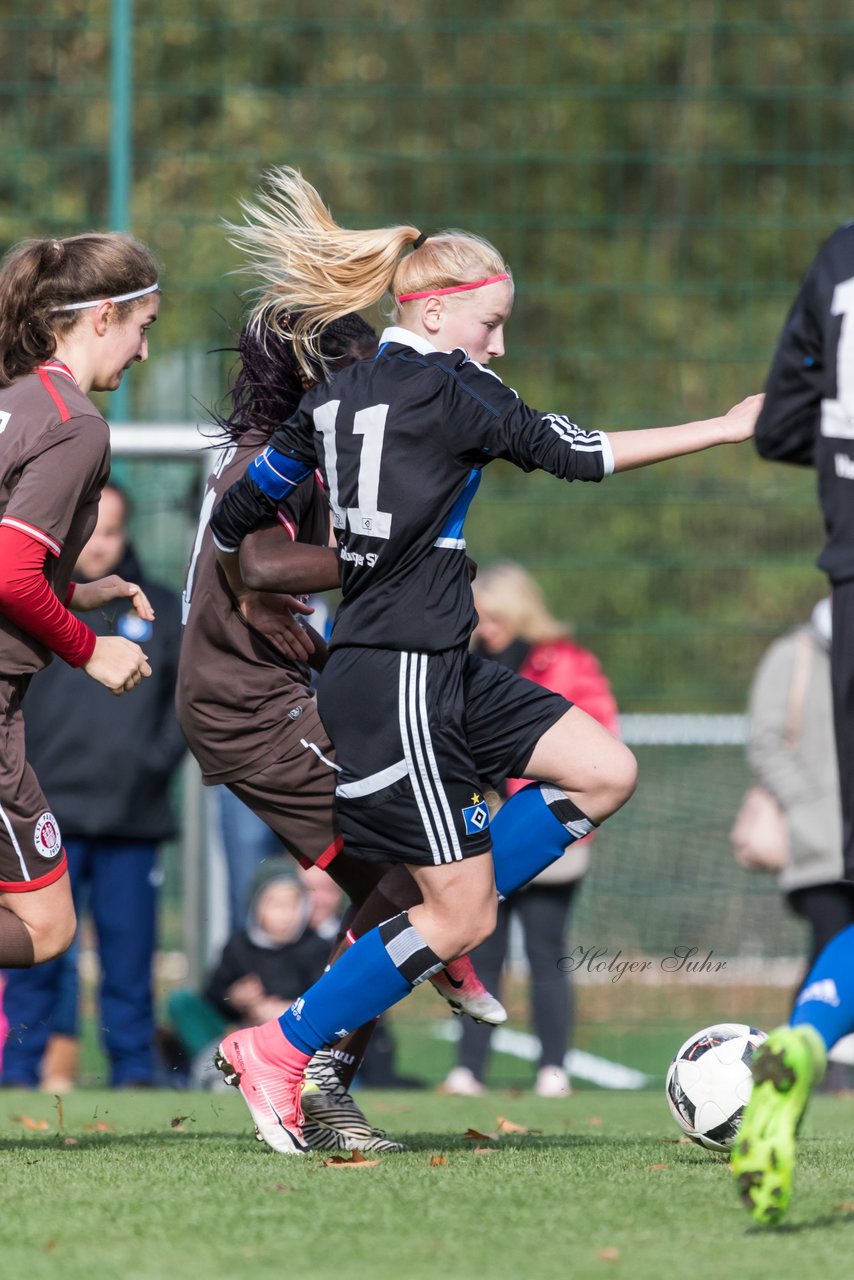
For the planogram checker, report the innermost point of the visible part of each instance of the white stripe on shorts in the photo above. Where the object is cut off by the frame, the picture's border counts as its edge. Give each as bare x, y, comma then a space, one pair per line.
421, 760
312, 746
10, 832
374, 781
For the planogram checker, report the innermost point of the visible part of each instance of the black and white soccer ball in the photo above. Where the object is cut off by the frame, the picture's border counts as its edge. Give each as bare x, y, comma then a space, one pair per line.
709, 1083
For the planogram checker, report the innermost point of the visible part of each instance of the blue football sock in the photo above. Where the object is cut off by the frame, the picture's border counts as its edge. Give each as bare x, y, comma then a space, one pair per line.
826, 1000
379, 969
531, 831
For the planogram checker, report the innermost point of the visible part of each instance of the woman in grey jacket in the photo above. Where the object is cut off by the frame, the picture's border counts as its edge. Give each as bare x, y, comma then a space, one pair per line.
792, 752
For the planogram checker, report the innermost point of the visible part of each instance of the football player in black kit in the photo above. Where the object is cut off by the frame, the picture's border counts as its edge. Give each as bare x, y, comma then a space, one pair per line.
808, 420
421, 726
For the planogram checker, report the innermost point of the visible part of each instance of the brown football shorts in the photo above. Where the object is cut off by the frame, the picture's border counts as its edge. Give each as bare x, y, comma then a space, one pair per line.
295, 793
31, 852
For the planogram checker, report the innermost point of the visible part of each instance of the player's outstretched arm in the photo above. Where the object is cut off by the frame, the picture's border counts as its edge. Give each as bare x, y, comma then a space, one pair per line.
93, 595
118, 664
634, 449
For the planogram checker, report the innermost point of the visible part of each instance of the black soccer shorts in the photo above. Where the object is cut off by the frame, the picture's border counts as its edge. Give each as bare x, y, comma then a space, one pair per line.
418, 738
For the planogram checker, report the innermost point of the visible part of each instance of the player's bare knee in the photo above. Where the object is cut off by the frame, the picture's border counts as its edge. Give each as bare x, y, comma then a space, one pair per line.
623, 777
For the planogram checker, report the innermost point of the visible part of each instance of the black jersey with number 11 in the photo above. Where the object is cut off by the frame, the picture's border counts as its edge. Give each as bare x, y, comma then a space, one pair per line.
402, 440
808, 415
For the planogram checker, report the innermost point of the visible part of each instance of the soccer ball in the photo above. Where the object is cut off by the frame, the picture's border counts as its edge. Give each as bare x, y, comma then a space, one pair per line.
709, 1083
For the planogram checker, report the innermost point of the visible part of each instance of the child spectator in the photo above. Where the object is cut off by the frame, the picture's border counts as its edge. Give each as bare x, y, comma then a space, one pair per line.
262, 968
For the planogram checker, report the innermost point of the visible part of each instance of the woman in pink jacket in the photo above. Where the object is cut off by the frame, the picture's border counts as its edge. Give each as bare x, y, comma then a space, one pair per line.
517, 629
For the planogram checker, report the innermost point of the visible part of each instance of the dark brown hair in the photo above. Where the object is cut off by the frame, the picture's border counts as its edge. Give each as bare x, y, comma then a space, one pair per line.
271, 381
37, 276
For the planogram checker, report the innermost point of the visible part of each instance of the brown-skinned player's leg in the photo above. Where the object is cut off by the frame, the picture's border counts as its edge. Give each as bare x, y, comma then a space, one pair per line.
396, 891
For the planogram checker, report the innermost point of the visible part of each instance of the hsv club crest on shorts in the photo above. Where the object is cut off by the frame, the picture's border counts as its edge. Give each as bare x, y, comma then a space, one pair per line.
46, 837
476, 816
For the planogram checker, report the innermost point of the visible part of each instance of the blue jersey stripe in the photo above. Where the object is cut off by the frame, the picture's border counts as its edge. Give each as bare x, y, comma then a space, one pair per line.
453, 526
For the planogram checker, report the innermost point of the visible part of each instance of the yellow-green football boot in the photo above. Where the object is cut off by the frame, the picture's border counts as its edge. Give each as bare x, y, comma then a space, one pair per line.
786, 1068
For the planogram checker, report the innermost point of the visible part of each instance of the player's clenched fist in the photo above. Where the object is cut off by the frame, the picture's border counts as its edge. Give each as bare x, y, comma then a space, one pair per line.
118, 664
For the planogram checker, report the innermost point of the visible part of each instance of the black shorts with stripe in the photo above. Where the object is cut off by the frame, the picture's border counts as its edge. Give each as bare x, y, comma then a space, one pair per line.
418, 739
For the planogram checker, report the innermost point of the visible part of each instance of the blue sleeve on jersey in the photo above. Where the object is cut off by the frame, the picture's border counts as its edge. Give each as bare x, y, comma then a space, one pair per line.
276, 474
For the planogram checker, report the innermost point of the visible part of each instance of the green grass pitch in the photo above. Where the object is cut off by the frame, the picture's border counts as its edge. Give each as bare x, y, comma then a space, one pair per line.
147, 1184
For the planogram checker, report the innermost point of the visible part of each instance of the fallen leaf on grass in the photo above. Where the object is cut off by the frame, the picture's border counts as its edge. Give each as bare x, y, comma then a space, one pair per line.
510, 1126
610, 1254
656, 1166
177, 1122
434, 1160
846, 1206
280, 1186
358, 1161
48, 1245
475, 1135
595, 1121
100, 1126
71, 1142
485, 1151
29, 1123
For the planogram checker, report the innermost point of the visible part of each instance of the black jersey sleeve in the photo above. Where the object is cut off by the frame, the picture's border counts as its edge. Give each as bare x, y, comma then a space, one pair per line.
270, 478
798, 381
487, 420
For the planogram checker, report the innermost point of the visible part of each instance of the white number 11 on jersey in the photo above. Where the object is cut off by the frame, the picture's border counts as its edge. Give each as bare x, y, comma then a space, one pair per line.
366, 518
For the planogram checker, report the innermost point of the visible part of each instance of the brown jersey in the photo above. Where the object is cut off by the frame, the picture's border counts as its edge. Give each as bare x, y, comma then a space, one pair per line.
237, 695
54, 462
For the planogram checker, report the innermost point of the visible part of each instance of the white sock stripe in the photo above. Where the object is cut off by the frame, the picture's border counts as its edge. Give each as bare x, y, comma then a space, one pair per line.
578, 828
550, 793
404, 945
428, 973
408, 946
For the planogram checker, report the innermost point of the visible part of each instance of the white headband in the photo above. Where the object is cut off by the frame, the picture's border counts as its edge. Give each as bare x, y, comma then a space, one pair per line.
122, 297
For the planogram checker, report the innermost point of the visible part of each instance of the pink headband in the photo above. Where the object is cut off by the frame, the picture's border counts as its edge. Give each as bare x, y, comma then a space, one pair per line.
454, 288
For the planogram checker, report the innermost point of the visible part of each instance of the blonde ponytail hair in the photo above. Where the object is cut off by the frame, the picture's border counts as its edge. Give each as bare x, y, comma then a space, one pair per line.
312, 271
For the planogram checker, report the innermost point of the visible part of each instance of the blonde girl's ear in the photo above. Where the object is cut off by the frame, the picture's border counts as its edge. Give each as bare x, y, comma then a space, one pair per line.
432, 310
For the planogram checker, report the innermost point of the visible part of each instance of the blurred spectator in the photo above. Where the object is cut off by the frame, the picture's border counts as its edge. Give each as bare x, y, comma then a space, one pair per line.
105, 763
4, 1024
327, 902
792, 752
517, 630
263, 967
247, 842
